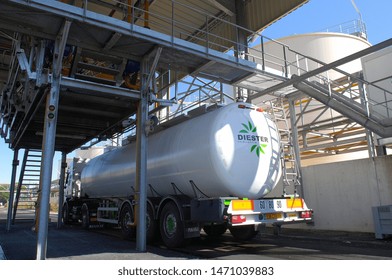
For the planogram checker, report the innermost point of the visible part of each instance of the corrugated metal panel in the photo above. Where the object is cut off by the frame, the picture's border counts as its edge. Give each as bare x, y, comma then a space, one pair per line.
192, 18
260, 14
192, 14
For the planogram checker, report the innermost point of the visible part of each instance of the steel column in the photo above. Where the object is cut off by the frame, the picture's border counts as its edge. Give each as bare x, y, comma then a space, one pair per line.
20, 182
48, 143
141, 162
15, 164
242, 33
147, 70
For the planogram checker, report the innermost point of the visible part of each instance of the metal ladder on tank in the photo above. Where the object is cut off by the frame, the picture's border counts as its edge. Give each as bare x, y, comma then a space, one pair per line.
29, 178
290, 167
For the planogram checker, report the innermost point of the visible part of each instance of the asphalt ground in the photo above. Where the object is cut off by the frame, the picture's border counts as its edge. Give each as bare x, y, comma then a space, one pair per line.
74, 243
71, 243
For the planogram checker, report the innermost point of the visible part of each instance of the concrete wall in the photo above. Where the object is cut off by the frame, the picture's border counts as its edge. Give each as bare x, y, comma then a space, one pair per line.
342, 193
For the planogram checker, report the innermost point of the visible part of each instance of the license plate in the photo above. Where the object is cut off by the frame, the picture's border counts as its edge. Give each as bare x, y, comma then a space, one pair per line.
292, 215
273, 216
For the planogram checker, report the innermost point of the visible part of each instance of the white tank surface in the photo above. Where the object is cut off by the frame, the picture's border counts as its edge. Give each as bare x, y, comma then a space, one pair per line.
231, 151
324, 46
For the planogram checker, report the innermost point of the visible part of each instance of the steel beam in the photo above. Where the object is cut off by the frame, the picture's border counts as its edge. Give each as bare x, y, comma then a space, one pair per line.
15, 164
353, 112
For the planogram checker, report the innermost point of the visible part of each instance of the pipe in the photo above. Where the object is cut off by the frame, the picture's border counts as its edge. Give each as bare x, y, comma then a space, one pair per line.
146, 14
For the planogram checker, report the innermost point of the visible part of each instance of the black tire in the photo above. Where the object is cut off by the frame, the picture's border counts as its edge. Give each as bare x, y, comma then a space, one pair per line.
243, 233
171, 226
215, 230
85, 216
127, 218
152, 225
65, 214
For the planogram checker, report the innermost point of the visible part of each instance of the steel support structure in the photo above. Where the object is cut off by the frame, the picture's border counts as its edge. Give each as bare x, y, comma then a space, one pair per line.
48, 142
295, 143
147, 70
15, 164
141, 165
325, 67
20, 182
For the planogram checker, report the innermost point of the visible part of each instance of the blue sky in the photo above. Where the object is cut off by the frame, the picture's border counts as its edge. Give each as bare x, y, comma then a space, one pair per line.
316, 15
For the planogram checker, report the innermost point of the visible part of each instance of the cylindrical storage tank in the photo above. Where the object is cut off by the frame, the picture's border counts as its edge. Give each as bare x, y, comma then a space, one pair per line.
231, 151
323, 46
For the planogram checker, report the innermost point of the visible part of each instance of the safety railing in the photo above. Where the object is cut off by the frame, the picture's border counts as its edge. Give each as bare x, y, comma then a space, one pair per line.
353, 27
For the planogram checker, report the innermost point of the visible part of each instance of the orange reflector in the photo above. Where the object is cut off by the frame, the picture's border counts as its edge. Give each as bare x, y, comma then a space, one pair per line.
242, 205
294, 203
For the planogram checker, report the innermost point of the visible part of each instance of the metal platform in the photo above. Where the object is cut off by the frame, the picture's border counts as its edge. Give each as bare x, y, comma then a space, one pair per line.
92, 106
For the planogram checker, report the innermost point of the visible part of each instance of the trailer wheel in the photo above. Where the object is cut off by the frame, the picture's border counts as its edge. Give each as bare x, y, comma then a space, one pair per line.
215, 230
85, 216
127, 219
243, 233
171, 226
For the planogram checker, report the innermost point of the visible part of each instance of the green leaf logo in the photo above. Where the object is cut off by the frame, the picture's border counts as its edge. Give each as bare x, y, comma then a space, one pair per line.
248, 128
258, 149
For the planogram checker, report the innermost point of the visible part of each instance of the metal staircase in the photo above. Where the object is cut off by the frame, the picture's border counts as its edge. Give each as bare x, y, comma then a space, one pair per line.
28, 185
354, 107
337, 89
290, 166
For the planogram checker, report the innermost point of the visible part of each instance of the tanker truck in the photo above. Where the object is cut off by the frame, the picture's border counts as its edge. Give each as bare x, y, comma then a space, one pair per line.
210, 172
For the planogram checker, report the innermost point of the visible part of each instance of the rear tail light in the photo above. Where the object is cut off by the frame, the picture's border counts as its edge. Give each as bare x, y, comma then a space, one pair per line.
238, 219
306, 214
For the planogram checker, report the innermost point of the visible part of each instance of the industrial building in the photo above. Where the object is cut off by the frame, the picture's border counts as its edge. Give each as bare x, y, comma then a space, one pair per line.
75, 73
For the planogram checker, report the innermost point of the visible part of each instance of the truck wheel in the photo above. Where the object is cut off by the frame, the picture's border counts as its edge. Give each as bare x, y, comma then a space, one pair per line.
243, 233
171, 226
215, 230
65, 214
127, 219
151, 225
85, 216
